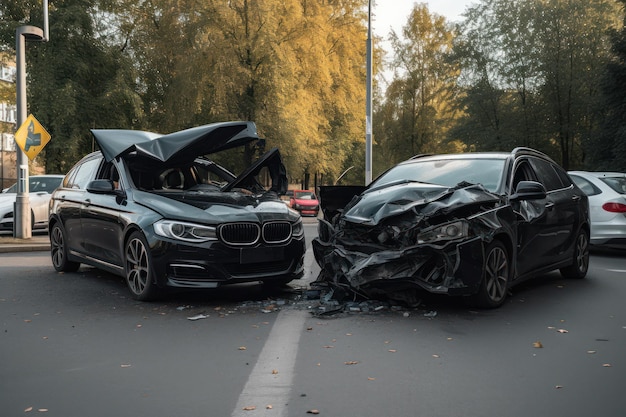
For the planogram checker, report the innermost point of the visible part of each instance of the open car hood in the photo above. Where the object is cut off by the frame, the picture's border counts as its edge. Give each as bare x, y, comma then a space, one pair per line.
182, 145
274, 164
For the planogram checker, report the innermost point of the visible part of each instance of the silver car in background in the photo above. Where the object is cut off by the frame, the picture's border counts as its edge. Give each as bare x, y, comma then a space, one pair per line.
40, 187
607, 205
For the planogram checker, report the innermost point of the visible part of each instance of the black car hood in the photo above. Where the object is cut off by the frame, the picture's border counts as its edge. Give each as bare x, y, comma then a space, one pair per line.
182, 145
377, 204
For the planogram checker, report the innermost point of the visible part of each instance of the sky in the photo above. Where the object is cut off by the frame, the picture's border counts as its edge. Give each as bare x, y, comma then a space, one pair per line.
388, 14
392, 14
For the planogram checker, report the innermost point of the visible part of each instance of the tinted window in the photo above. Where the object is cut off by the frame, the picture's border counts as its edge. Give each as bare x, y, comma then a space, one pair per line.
547, 174
48, 185
84, 173
448, 172
616, 183
585, 185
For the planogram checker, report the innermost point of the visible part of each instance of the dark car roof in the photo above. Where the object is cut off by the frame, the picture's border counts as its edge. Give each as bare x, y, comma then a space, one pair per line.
479, 155
183, 145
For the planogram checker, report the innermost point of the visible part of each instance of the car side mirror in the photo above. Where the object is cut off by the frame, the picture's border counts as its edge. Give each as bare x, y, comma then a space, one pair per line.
529, 190
101, 187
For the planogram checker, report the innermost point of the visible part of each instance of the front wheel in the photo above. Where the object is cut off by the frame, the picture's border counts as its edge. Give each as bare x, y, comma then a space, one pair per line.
58, 251
138, 268
496, 274
580, 262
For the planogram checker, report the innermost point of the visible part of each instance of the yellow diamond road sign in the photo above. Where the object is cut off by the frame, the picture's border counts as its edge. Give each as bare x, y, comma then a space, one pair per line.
31, 137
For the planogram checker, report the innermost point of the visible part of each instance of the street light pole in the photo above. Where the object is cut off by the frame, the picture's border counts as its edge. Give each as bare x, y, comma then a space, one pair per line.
368, 99
21, 213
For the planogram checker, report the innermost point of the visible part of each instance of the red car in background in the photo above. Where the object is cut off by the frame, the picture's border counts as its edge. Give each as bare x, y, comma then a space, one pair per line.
305, 202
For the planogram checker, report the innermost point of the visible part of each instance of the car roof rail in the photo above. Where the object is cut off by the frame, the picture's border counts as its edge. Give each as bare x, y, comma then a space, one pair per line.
420, 155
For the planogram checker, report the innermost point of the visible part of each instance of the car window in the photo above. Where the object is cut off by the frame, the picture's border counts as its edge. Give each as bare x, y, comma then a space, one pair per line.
448, 172
585, 185
85, 172
305, 195
618, 184
44, 184
546, 174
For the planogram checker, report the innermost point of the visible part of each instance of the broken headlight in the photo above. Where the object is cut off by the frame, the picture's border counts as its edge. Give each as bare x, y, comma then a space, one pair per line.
449, 231
188, 232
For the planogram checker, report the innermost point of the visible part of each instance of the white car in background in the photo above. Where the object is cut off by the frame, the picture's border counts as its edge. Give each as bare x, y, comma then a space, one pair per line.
607, 205
40, 188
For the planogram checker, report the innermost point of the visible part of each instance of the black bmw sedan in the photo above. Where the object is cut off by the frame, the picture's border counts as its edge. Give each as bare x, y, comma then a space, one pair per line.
157, 211
472, 225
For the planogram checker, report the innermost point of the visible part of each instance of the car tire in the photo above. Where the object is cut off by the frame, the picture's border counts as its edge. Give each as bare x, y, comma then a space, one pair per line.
496, 276
138, 270
58, 251
580, 262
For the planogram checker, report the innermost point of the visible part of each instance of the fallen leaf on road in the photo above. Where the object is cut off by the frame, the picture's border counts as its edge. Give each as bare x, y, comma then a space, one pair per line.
591, 352
537, 345
250, 408
197, 317
369, 378
242, 348
562, 331
435, 356
28, 410
559, 386
351, 362
606, 365
313, 412
328, 347
124, 365
275, 372
392, 350
268, 407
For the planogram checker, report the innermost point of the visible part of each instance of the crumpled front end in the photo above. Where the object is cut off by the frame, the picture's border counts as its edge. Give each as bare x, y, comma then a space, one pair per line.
434, 244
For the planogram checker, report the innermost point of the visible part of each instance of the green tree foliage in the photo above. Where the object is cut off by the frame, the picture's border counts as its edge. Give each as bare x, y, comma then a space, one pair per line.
607, 151
417, 111
531, 70
77, 81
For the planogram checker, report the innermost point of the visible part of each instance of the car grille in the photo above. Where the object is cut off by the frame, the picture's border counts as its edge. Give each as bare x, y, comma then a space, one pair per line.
245, 234
276, 232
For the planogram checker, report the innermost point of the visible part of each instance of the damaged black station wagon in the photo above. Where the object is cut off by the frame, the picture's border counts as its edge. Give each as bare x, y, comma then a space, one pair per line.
155, 210
469, 224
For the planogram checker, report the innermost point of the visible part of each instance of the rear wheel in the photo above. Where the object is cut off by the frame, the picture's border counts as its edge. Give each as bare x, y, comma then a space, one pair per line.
138, 268
58, 251
580, 262
496, 274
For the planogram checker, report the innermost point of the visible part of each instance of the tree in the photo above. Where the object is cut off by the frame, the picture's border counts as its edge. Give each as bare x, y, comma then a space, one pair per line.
76, 81
417, 111
607, 150
531, 71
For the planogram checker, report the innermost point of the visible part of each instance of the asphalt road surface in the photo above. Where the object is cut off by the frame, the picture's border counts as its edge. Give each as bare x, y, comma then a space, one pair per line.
77, 345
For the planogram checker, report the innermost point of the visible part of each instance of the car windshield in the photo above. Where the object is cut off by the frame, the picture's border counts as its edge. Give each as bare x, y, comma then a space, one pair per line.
618, 184
305, 195
447, 172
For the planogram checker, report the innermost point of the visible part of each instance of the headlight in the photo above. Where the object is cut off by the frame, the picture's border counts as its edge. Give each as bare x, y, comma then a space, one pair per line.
449, 231
188, 232
297, 229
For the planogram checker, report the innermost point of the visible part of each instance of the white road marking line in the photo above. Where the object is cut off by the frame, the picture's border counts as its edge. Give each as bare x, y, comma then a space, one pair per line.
279, 353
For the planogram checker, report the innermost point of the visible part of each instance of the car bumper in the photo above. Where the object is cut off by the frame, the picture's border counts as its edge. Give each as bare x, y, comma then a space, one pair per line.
609, 232
214, 264
453, 269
